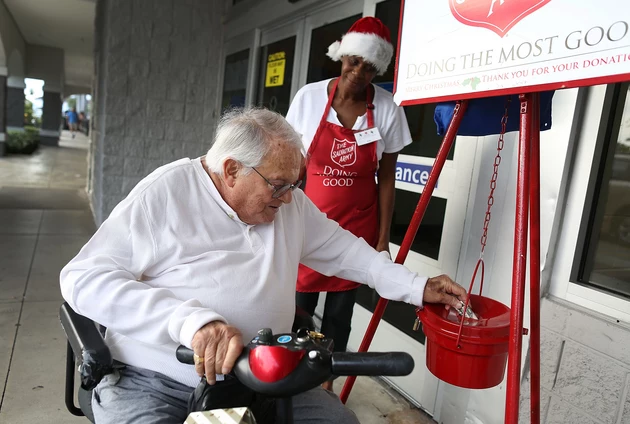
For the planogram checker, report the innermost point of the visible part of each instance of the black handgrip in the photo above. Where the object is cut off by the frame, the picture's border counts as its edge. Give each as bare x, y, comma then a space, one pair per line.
372, 363
185, 355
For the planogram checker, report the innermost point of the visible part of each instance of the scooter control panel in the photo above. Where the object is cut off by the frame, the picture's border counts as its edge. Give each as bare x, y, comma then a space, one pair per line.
280, 364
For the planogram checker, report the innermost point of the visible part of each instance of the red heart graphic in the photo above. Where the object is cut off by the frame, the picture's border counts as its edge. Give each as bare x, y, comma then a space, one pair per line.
497, 15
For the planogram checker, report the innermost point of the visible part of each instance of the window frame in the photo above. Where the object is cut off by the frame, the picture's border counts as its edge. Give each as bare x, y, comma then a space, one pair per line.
576, 195
248, 40
294, 27
592, 217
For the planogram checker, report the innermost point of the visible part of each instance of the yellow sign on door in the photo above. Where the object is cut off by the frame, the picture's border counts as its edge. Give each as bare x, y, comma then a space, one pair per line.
275, 69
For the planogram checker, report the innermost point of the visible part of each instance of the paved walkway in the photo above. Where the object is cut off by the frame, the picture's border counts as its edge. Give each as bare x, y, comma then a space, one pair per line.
44, 220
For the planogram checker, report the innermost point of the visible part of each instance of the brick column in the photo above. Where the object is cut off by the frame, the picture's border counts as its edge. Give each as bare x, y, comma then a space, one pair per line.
15, 104
155, 93
3, 121
51, 119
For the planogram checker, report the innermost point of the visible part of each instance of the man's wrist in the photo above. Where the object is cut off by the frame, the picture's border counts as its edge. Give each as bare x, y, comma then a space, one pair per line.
417, 291
195, 322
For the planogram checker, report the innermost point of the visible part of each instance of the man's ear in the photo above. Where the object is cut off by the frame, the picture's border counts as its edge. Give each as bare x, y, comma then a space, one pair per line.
302, 167
231, 169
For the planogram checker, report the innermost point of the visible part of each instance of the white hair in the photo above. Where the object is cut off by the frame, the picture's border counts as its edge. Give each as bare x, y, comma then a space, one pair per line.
245, 135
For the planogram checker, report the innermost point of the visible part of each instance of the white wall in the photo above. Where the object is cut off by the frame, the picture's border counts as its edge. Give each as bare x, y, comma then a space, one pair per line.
46, 63
10, 37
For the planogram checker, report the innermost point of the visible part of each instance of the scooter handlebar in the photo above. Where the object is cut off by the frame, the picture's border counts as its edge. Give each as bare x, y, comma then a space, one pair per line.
284, 365
185, 355
348, 363
372, 363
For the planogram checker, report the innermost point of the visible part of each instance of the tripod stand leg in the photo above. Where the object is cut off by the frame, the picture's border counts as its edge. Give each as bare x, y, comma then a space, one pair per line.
410, 235
519, 263
534, 261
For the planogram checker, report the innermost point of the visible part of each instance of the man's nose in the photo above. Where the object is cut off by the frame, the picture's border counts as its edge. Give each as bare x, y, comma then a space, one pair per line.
287, 197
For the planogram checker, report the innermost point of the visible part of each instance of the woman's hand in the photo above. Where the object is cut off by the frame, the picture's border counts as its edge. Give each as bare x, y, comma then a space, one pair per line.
217, 346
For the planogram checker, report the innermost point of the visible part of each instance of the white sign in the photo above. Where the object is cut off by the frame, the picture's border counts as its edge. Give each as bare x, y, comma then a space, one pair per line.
460, 49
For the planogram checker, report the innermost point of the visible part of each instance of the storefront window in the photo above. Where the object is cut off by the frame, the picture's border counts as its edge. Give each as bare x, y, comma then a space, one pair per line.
276, 74
606, 260
235, 79
425, 143
389, 13
427, 242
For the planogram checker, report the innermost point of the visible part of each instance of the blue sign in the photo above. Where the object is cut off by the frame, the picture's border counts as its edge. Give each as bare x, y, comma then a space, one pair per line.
413, 173
389, 86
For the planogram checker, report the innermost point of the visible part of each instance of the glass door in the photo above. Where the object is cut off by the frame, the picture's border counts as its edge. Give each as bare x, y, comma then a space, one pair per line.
320, 66
276, 84
394, 332
435, 249
321, 29
277, 73
238, 64
235, 79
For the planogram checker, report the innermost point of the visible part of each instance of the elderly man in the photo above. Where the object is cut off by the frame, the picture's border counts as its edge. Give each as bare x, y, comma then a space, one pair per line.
204, 253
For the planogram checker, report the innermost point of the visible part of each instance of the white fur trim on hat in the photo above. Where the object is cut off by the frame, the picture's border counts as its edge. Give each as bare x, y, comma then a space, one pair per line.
370, 47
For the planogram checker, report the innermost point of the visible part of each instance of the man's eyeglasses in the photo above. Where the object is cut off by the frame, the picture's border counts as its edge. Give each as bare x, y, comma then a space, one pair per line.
279, 190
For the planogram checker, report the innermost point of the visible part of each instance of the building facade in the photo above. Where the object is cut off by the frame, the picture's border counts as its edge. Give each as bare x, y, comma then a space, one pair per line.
166, 69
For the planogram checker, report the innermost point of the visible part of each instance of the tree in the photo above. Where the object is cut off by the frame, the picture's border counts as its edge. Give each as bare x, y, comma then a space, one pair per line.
29, 119
72, 102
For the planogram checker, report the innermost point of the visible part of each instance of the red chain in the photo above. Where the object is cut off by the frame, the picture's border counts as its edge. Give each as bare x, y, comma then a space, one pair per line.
495, 175
484, 238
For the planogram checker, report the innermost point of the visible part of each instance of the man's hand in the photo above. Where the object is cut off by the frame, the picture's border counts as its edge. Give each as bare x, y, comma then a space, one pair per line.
219, 345
442, 289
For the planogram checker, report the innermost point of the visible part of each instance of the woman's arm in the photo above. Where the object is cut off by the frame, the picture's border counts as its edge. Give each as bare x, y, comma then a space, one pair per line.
386, 196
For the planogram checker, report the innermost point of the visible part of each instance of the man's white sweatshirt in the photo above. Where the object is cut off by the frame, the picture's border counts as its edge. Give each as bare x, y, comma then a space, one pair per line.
174, 256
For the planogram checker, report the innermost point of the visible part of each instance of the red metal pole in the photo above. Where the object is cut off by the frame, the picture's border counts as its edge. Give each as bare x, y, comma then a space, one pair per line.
534, 260
410, 235
519, 264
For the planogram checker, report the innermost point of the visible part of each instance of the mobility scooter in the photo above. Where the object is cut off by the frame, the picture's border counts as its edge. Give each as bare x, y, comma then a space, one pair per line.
271, 369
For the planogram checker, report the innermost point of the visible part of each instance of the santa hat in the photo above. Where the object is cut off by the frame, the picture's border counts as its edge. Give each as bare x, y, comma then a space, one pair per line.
368, 38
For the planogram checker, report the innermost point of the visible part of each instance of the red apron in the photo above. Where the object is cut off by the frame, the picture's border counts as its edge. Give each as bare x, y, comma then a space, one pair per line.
340, 180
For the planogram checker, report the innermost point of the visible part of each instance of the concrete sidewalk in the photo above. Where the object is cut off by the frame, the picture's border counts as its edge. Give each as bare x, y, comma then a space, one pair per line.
44, 220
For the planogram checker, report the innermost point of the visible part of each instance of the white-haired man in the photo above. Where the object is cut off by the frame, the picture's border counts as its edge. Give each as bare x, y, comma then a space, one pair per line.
204, 253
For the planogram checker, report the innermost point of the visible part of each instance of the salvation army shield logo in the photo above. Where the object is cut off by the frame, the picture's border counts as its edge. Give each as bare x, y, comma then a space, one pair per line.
344, 152
496, 15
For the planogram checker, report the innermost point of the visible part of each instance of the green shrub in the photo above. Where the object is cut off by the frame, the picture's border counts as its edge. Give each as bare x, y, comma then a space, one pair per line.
33, 132
25, 142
